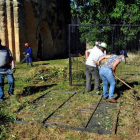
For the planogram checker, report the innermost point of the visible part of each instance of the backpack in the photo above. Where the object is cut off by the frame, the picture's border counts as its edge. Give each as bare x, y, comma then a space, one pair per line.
5, 58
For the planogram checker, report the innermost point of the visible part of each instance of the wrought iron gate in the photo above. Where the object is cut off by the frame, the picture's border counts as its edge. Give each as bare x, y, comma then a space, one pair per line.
117, 37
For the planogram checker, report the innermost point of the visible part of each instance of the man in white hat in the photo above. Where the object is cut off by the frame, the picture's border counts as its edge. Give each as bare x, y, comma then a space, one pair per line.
91, 67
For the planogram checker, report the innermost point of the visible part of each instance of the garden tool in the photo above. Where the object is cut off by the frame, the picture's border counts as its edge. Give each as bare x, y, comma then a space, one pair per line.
134, 91
82, 57
96, 62
23, 59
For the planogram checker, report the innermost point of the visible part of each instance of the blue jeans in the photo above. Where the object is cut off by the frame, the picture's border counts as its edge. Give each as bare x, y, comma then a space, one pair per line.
10, 79
107, 76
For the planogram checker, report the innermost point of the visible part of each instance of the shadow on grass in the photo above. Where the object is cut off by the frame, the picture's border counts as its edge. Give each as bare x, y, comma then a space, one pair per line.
38, 64
120, 89
34, 89
133, 64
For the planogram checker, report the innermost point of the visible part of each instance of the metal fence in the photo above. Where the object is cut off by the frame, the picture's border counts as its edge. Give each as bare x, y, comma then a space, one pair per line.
117, 37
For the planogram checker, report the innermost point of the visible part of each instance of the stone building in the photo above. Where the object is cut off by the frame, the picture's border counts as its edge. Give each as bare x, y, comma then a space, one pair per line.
41, 23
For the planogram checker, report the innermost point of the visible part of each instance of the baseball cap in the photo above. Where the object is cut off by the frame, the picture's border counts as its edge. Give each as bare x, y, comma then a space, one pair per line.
96, 43
103, 45
124, 53
27, 44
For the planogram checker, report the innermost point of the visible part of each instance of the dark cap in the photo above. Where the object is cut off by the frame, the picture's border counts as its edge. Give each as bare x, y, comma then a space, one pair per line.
124, 53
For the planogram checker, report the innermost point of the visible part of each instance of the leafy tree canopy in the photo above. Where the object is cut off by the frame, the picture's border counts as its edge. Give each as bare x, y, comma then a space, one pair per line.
107, 12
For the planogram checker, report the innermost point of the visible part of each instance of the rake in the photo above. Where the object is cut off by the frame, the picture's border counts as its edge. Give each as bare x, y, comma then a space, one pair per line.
134, 91
84, 59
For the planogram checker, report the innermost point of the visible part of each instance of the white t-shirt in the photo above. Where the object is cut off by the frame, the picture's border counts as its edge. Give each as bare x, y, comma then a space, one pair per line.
95, 54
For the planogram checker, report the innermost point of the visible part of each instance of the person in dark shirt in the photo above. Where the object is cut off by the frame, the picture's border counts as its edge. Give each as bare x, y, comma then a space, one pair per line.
5, 70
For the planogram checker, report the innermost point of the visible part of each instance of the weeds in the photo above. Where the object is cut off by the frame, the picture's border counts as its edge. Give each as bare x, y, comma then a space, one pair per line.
4, 120
123, 134
45, 75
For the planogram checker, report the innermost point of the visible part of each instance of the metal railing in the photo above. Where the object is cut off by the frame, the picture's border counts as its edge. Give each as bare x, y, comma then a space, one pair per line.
116, 40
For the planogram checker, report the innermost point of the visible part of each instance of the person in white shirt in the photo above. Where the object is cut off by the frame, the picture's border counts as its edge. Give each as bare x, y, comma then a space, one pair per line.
92, 68
97, 44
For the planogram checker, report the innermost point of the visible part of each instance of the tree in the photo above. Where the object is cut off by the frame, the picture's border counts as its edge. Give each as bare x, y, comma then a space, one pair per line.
107, 12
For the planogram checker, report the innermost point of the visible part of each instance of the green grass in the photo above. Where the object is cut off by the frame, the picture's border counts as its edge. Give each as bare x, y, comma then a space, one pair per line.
32, 82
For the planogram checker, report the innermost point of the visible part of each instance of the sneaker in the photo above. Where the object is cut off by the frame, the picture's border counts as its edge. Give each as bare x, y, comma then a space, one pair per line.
112, 100
105, 97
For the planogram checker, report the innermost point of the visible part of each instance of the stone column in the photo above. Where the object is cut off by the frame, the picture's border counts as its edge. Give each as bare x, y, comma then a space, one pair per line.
16, 5
2, 22
10, 26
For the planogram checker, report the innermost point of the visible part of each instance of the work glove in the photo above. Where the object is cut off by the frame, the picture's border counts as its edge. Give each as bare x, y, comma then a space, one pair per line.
13, 69
24, 53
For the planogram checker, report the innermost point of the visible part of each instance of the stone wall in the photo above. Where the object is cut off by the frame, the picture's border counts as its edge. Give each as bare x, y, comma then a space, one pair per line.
41, 23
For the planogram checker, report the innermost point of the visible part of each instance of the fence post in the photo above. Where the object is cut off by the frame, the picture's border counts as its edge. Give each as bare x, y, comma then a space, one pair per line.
139, 46
113, 30
70, 75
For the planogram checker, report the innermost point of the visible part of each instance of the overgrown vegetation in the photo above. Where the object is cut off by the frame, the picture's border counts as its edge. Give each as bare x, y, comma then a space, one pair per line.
32, 82
5, 119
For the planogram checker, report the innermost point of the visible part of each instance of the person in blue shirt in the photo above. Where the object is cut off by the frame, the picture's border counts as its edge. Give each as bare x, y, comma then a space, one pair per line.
28, 53
107, 73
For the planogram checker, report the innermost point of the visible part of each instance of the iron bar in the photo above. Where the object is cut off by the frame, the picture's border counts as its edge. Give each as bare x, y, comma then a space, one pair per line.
30, 102
45, 123
113, 32
57, 108
94, 111
122, 25
70, 63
